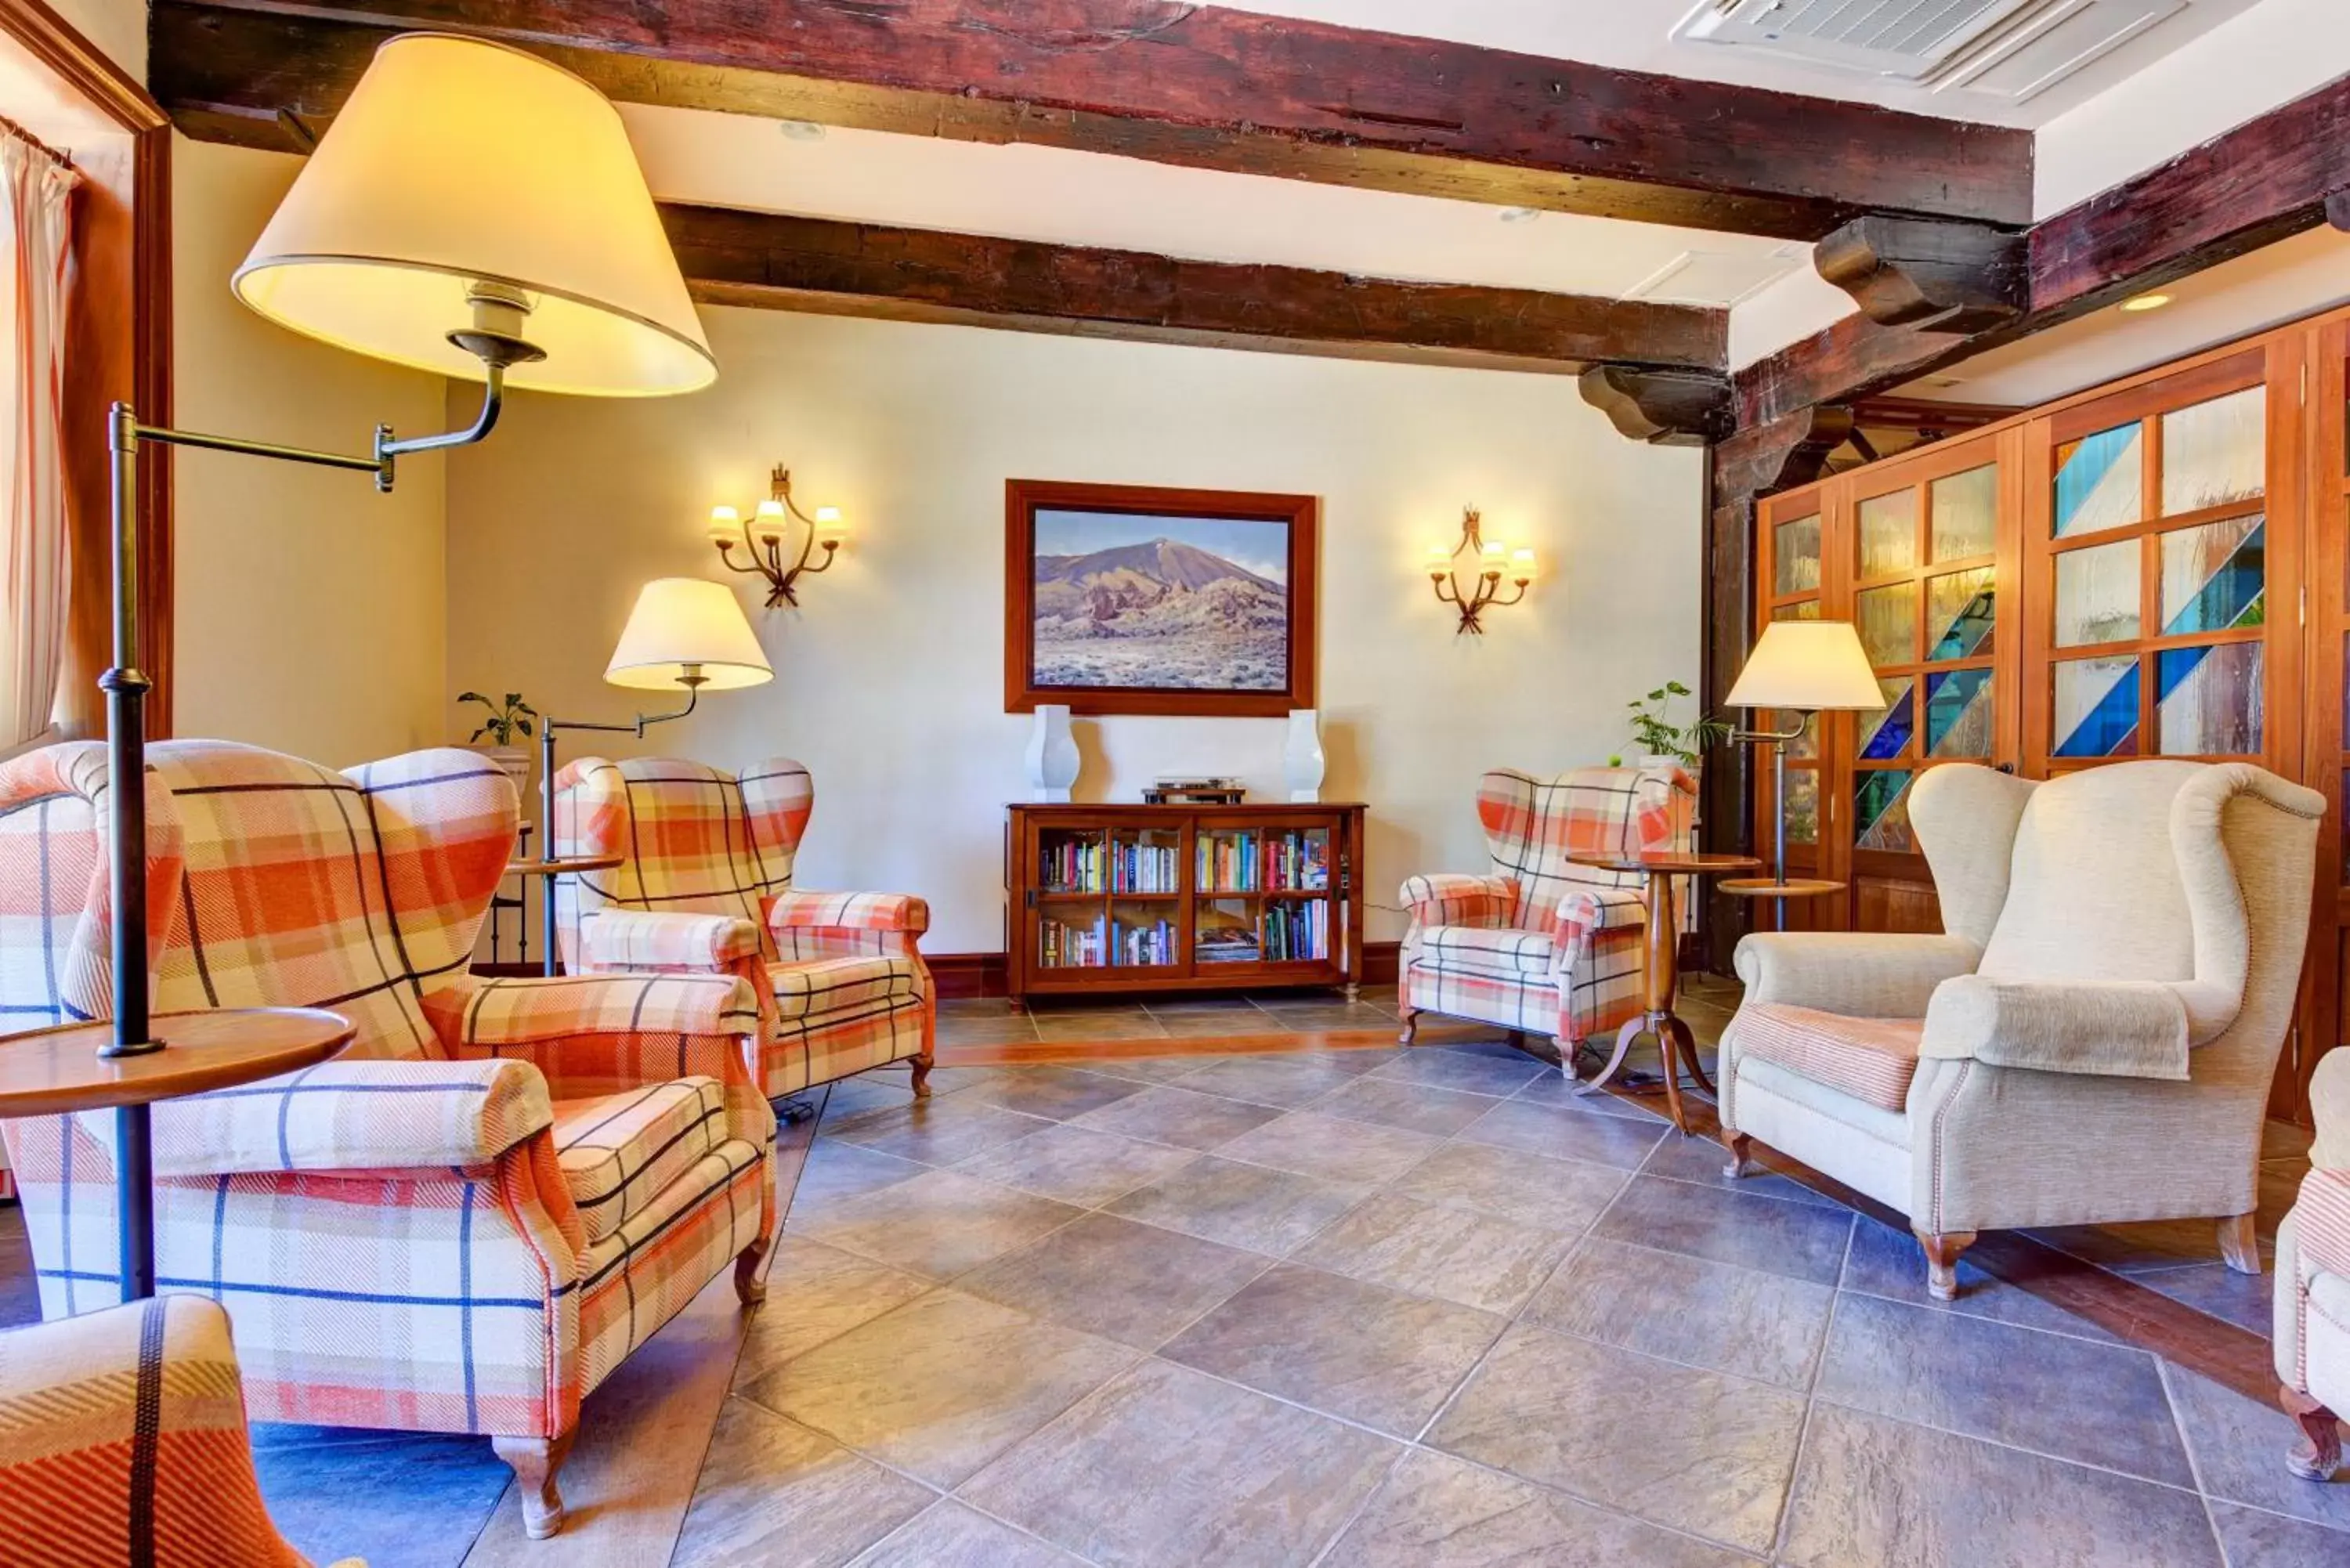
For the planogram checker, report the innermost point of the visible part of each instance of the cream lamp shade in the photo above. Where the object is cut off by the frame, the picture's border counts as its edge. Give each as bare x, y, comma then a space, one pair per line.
459, 163
1808, 665
681, 621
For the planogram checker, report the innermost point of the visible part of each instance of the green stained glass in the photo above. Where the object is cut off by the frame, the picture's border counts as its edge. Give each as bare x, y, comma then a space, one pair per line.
1880, 800
1959, 713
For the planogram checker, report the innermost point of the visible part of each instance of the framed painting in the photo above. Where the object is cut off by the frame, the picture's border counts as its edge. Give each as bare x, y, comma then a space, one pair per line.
1127, 598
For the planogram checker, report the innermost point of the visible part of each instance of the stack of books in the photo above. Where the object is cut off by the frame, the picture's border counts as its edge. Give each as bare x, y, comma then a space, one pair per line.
1191, 789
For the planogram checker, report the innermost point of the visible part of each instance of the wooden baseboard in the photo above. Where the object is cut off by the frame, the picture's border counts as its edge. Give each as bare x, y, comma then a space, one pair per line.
960, 975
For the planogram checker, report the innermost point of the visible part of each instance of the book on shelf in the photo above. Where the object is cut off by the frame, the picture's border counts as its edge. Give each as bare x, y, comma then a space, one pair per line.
1227, 944
1301, 862
1139, 867
1060, 945
1146, 945
1297, 932
1225, 863
1074, 865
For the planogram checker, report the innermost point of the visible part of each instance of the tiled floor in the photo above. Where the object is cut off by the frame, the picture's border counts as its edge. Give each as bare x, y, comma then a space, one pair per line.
1369, 1306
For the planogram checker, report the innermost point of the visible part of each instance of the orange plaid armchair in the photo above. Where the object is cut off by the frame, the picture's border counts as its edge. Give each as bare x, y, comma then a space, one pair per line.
704, 887
1540, 943
469, 1220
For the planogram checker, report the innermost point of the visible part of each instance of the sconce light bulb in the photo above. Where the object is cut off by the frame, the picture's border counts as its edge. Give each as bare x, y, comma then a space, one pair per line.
768, 522
725, 524
1522, 564
830, 524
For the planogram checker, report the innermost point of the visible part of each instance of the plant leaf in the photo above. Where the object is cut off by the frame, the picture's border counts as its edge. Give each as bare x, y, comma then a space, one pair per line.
472, 697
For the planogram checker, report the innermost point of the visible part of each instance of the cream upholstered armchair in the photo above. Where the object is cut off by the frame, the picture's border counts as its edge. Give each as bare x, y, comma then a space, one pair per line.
469, 1220
1540, 943
2312, 1281
2089, 1042
704, 886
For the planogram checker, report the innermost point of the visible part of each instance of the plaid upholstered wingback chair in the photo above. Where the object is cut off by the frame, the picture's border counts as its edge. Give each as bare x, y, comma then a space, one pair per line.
704, 887
1540, 943
2312, 1281
465, 1222
2090, 1040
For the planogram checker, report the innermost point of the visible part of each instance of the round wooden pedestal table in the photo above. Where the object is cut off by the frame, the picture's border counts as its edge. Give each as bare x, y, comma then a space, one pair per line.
1778, 892
551, 870
51, 1071
1676, 1047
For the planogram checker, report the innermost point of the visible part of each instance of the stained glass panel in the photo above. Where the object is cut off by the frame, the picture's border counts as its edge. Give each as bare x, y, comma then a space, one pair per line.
1959, 614
2097, 593
2213, 577
1885, 734
1888, 534
1796, 556
1880, 800
2215, 453
1802, 807
1806, 744
2100, 481
2208, 701
1802, 609
1887, 617
1958, 714
1964, 509
2096, 708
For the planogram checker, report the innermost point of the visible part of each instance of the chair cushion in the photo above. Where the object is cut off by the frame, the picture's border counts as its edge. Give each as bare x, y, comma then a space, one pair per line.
867, 983
618, 1150
1486, 950
1871, 1059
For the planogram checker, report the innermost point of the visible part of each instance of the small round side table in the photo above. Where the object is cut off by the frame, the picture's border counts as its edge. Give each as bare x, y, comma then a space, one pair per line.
1676, 1046
550, 870
1778, 892
51, 1071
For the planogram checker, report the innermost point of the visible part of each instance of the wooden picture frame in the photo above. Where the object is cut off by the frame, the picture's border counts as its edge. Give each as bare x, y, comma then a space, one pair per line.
1083, 512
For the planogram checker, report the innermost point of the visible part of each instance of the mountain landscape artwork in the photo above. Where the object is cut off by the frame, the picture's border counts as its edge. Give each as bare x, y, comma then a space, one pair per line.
1167, 602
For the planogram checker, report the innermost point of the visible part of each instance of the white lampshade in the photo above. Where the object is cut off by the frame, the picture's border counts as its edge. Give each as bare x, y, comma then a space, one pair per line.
1808, 665
457, 160
680, 621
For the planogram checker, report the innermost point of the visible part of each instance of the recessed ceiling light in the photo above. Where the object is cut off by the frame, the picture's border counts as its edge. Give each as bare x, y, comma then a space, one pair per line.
801, 130
1520, 214
2145, 302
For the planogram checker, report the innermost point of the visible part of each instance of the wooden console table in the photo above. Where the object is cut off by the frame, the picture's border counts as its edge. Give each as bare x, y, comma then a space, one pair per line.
1107, 899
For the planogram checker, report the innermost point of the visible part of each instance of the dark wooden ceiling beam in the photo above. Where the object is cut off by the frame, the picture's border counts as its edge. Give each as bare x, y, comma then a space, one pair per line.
1199, 86
829, 267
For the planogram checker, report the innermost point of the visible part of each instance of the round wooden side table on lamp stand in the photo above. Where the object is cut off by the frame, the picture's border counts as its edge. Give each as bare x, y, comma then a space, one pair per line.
551, 870
1778, 891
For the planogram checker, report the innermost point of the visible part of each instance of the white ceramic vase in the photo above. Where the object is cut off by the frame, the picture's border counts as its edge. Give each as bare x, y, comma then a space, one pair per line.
1302, 758
1051, 753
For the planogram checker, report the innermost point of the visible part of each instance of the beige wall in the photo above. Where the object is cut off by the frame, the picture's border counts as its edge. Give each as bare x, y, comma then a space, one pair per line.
310, 611
890, 681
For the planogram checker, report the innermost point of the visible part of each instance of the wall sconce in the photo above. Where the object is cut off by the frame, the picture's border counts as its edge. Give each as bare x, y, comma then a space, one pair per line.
761, 536
1492, 562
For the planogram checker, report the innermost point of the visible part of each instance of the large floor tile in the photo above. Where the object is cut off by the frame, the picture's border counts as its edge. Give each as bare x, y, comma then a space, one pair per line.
1560, 1195
1252, 1206
1874, 1492
1705, 1161
1145, 1069
1436, 1512
2257, 1539
1555, 1088
834, 1172
817, 1293
1884, 1261
1077, 1165
1131, 1282
1564, 1132
2102, 1405
1716, 1315
1340, 1345
1285, 1081
400, 1500
2248, 1301
1012, 1029
775, 1493
1454, 1254
936, 1131
1397, 1102
1332, 1148
1695, 1451
938, 1225
949, 1535
1219, 1022
2239, 1446
1169, 1466
1057, 1093
1172, 1115
1078, 1027
940, 1386
1447, 1067
1798, 1240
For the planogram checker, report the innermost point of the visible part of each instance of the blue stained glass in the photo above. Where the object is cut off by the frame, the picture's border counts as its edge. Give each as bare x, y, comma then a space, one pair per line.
2099, 480
1880, 801
2209, 701
1958, 714
2096, 708
1885, 735
2230, 592
1960, 609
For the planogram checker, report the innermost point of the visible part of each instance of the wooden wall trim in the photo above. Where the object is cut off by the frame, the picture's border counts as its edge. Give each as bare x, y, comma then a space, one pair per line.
965, 975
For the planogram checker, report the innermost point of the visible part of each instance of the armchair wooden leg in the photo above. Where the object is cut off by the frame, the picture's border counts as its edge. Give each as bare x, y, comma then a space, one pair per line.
2319, 1454
534, 1462
1942, 1262
1566, 1049
922, 1064
748, 1288
1741, 1157
2239, 1245
1411, 1026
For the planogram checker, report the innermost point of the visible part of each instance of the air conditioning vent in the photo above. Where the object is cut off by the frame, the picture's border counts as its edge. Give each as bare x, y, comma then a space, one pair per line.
1907, 38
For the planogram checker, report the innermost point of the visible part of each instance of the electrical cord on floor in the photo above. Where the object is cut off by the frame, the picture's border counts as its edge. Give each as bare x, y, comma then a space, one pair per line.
793, 1108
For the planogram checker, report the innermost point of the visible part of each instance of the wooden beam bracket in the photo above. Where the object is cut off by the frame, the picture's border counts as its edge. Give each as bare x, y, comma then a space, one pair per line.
1663, 408
1918, 271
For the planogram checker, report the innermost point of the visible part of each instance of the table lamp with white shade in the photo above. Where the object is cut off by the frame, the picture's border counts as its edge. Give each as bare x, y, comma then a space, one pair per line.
475, 212
1801, 667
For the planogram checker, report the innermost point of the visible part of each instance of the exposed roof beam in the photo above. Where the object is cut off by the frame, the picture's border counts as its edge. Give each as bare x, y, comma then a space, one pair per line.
917, 275
1199, 86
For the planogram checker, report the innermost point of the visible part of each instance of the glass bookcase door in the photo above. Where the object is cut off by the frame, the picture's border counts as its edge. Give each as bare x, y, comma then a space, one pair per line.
1299, 883
1073, 869
1792, 538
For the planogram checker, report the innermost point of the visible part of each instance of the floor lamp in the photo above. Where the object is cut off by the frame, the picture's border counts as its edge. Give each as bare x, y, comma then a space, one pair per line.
1799, 667
683, 633
474, 212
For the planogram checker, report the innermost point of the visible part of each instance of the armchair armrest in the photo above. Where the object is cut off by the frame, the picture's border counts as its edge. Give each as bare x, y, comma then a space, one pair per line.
1452, 900
1595, 909
2329, 1111
622, 939
798, 911
1860, 974
2122, 1029
355, 1116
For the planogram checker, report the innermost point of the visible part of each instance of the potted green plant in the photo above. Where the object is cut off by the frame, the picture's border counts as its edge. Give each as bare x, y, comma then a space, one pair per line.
1665, 741
506, 719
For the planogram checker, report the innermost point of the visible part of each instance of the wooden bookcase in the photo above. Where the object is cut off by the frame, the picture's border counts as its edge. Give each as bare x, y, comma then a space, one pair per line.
1181, 898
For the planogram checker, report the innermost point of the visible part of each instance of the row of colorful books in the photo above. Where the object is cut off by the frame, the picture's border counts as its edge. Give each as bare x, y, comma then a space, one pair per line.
1226, 862
1301, 862
1298, 931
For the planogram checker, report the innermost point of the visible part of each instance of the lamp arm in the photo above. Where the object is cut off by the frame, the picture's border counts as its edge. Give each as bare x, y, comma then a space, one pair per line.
493, 394
1777, 737
386, 448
